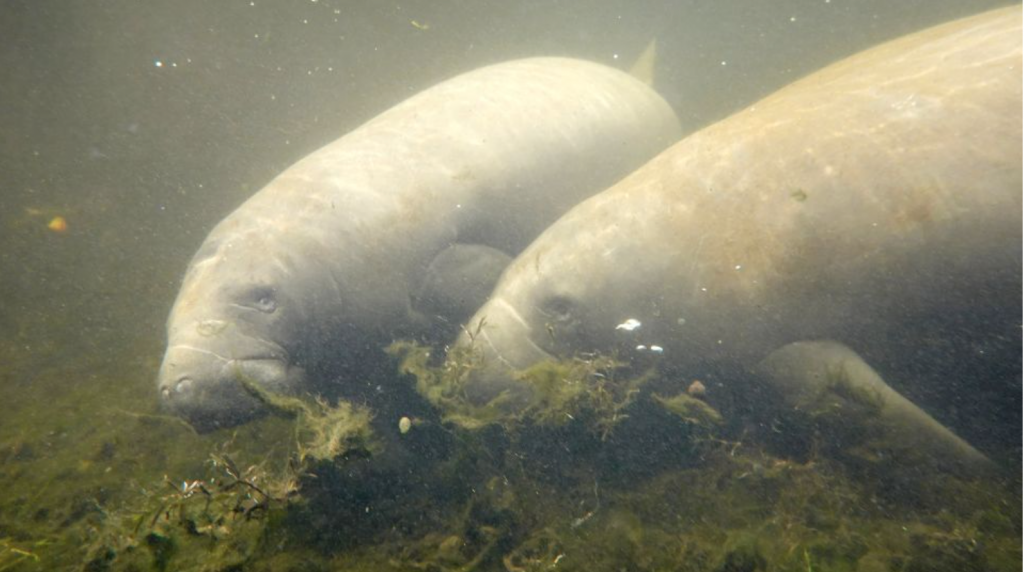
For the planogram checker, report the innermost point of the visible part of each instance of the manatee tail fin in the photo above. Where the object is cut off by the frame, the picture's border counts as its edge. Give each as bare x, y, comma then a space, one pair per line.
643, 68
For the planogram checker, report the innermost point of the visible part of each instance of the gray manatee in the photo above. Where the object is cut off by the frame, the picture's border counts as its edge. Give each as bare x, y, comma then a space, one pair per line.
858, 204
313, 274
458, 281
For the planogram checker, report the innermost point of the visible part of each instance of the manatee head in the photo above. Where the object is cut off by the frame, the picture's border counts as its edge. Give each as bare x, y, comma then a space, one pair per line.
237, 317
564, 295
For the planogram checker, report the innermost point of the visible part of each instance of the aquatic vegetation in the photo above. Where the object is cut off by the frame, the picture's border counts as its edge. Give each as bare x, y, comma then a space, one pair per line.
540, 551
517, 494
14, 553
582, 389
212, 523
690, 409
322, 432
221, 520
742, 507
463, 549
444, 386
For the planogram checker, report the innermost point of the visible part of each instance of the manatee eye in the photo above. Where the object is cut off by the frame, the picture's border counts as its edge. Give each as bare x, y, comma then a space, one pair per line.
262, 299
563, 323
558, 308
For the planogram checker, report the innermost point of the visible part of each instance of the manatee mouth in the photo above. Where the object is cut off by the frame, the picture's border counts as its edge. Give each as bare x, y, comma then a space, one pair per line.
506, 344
508, 338
208, 390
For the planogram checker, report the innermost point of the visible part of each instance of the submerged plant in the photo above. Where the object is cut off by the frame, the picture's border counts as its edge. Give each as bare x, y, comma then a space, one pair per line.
690, 409
218, 520
444, 386
12, 555
322, 432
540, 551
579, 389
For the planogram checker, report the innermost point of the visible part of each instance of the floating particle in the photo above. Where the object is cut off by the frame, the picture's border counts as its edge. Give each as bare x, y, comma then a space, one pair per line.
629, 325
58, 224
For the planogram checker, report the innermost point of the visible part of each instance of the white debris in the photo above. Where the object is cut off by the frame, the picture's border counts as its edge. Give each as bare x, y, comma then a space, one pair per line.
629, 325
657, 349
641, 348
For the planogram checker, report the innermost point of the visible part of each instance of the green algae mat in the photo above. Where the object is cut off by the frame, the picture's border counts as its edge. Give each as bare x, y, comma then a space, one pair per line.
600, 473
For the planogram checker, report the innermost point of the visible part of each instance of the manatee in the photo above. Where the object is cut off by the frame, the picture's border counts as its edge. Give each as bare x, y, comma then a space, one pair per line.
852, 209
458, 281
304, 283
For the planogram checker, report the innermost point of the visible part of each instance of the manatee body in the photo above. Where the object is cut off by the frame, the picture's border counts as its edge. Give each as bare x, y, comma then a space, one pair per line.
860, 204
315, 272
458, 281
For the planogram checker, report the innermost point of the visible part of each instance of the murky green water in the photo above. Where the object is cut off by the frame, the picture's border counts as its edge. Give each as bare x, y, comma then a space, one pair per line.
143, 124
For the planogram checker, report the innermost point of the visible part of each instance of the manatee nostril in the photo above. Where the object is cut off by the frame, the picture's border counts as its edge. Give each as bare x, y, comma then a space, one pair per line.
184, 384
165, 393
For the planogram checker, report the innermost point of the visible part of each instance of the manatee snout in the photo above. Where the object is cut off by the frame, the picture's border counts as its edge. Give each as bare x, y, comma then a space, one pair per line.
504, 340
208, 390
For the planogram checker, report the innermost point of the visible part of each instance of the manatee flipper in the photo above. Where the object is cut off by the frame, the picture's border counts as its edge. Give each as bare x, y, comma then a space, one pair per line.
458, 281
830, 381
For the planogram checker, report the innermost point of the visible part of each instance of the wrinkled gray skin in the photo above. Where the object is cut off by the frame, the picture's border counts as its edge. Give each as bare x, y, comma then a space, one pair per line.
319, 266
855, 205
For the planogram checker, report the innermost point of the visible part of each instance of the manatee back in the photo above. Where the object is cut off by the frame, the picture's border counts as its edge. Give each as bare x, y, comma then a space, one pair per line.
883, 188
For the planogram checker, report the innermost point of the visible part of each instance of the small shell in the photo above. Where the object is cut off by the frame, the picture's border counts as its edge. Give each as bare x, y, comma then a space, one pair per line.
404, 424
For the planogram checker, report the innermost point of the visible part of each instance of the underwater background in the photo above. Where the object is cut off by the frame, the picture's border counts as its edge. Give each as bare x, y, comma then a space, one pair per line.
128, 129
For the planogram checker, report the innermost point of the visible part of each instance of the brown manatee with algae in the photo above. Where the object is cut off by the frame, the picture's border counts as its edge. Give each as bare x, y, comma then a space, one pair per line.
858, 204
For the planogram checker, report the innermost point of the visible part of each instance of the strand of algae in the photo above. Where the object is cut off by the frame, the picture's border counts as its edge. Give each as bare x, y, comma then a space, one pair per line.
11, 556
322, 432
690, 409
